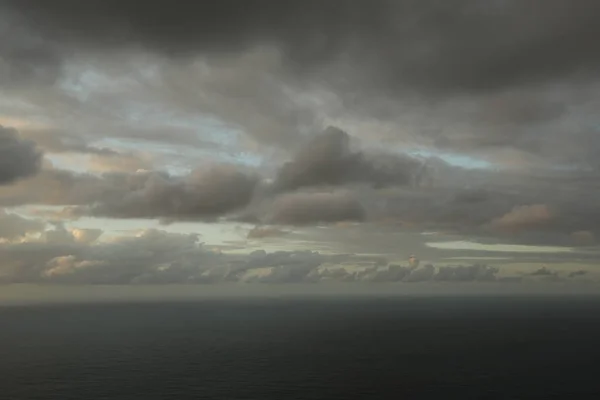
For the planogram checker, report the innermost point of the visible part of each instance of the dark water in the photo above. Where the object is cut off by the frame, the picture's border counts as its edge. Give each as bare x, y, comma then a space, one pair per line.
467, 348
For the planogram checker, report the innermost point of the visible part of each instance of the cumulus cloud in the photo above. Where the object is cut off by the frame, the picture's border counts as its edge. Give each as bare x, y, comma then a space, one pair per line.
328, 160
203, 194
73, 256
69, 256
424, 273
476, 272
19, 158
65, 265
152, 256
428, 272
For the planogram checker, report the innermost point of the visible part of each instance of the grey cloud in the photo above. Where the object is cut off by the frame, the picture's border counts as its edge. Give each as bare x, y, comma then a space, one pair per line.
393, 273
26, 58
59, 187
203, 194
13, 226
26, 261
510, 81
480, 78
424, 273
476, 272
19, 158
445, 208
248, 91
303, 208
428, 272
153, 256
466, 45
156, 254
328, 160
55, 141
60, 235
101, 159
488, 209
134, 96
281, 266
527, 209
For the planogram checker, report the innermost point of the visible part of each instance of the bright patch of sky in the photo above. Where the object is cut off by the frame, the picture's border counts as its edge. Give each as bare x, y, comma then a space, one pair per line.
458, 160
210, 234
512, 248
82, 81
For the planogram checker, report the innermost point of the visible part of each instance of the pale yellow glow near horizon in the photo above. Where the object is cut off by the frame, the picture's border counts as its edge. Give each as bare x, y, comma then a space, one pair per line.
10, 122
512, 248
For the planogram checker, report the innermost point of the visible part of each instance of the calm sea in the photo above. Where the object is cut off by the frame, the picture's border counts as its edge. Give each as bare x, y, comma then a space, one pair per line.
337, 348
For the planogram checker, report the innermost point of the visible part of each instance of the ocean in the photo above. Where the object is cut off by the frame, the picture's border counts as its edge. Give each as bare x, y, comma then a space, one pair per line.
505, 347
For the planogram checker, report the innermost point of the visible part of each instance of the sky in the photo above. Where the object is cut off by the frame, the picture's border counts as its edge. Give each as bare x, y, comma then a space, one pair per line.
295, 141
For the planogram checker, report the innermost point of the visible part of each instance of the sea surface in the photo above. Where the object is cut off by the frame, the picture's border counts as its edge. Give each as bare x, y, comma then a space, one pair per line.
506, 347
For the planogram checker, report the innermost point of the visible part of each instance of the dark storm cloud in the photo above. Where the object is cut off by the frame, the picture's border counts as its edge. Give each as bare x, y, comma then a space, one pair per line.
329, 160
464, 45
19, 158
25, 57
512, 81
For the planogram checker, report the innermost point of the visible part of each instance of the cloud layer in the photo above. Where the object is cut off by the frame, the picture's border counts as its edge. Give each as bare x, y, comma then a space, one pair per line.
154, 256
317, 123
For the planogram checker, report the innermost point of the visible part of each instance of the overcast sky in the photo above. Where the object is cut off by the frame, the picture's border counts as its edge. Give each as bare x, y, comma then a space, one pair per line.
299, 141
